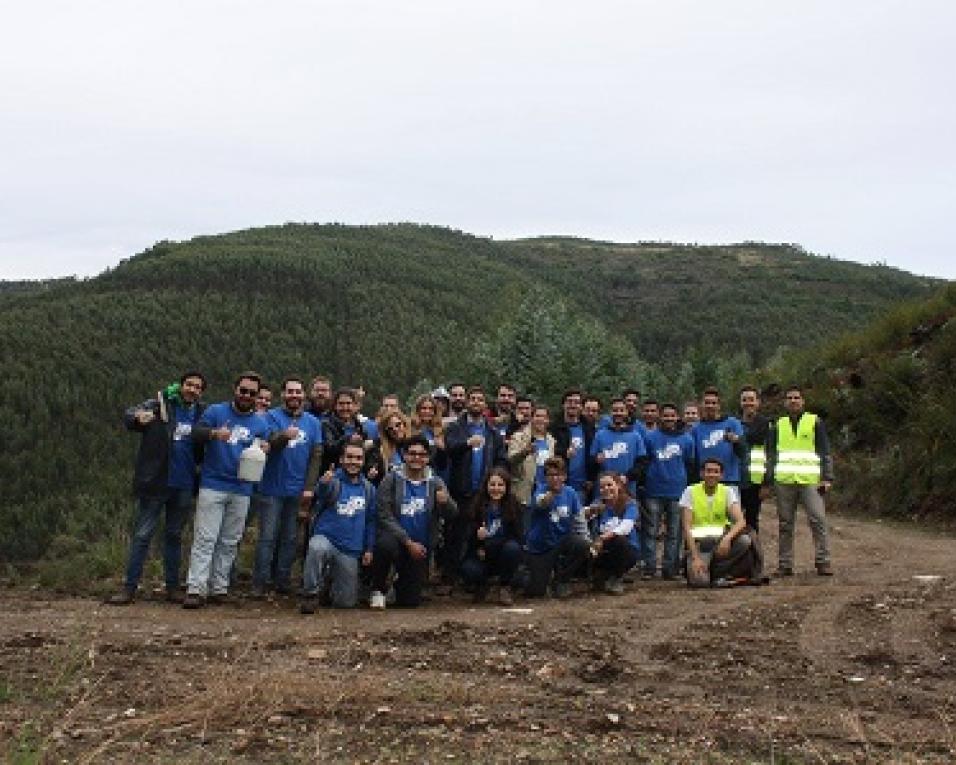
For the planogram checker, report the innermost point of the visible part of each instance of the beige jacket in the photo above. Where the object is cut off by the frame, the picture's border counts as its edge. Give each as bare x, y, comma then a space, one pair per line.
523, 461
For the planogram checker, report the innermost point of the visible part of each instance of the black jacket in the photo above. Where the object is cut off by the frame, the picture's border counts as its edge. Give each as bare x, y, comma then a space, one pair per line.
151, 473
459, 455
562, 442
334, 438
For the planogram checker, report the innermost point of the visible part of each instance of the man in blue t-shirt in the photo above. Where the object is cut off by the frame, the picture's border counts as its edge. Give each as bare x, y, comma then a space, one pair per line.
720, 437
343, 533
671, 453
573, 436
474, 448
227, 429
164, 478
288, 482
620, 447
557, 542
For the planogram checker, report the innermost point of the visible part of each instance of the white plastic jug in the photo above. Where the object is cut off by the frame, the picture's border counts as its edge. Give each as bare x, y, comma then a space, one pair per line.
252, 462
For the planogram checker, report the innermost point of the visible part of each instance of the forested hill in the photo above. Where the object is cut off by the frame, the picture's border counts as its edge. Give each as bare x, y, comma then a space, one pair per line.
887, 395
394, 307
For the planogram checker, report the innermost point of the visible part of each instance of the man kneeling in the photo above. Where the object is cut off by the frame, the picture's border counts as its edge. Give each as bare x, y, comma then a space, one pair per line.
718, 549
342, 532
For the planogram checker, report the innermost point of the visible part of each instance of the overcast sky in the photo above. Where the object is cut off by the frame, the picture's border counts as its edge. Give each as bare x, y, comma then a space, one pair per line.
829, 123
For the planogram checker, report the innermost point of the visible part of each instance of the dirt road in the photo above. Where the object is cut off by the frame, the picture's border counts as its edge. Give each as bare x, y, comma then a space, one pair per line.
857, 668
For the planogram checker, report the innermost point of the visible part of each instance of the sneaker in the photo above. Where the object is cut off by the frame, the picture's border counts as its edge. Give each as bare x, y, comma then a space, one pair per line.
308, 604
481, 592
377, 600
561, 590
258, 592
782, 571
824, 569
193, 600
174, 595
614, 586
122, 598
505, 597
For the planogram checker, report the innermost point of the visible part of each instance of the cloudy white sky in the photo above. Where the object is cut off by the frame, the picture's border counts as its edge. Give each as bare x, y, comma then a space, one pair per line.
831, 124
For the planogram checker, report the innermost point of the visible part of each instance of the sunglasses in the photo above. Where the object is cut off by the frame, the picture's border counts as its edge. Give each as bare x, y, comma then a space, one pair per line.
248, 391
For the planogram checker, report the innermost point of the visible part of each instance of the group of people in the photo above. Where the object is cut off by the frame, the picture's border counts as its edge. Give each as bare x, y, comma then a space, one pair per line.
504, 493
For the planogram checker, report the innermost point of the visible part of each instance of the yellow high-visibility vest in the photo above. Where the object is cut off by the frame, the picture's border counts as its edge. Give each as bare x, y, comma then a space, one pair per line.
797, 458
709, 511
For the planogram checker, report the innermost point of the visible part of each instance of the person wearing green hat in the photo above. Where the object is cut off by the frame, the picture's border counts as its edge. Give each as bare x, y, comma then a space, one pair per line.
164, 478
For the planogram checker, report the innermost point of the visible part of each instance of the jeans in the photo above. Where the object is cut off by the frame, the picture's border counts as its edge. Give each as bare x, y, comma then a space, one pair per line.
220, 521
788, 495
502, 557
278, 517
324, 561
177, 503
652, 512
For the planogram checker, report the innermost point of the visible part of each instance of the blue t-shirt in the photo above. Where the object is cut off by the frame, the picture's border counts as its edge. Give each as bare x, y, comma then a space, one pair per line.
220, 467
493, 523
413, 513
671, 454
349, 523
285, 471
604, 421
709, 441
577, 465
550, 524
608, 520
477, 455
619, 448
182, 459
370, 427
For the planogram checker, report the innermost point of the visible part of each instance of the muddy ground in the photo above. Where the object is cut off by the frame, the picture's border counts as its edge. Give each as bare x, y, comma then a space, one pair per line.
857, 668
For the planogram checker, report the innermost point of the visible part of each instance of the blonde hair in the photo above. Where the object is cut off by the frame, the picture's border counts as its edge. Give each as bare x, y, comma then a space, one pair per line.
436, 424
387, 444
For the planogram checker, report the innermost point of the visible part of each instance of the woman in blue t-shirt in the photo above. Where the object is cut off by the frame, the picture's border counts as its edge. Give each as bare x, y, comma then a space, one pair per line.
495, 538
615, 547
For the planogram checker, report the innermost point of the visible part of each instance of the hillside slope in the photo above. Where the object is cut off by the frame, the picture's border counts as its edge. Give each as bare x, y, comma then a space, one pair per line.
385, 306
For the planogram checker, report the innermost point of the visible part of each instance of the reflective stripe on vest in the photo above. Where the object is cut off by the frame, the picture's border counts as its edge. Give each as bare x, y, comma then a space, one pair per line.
797, 459
709, 511
758, 464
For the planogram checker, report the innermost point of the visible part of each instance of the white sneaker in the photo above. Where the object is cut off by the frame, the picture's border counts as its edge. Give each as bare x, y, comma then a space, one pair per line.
377, 600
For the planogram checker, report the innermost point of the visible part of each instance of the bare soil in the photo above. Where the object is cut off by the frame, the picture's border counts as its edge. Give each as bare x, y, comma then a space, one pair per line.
860, 667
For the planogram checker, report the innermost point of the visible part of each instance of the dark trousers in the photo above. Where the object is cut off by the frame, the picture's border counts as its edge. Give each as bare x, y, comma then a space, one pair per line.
389, 552
617, 557
750, 504
502, 557
453, 541
563, 560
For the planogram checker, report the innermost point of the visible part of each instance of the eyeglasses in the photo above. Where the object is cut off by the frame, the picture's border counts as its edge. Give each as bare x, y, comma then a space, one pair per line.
416, 454
248, 391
